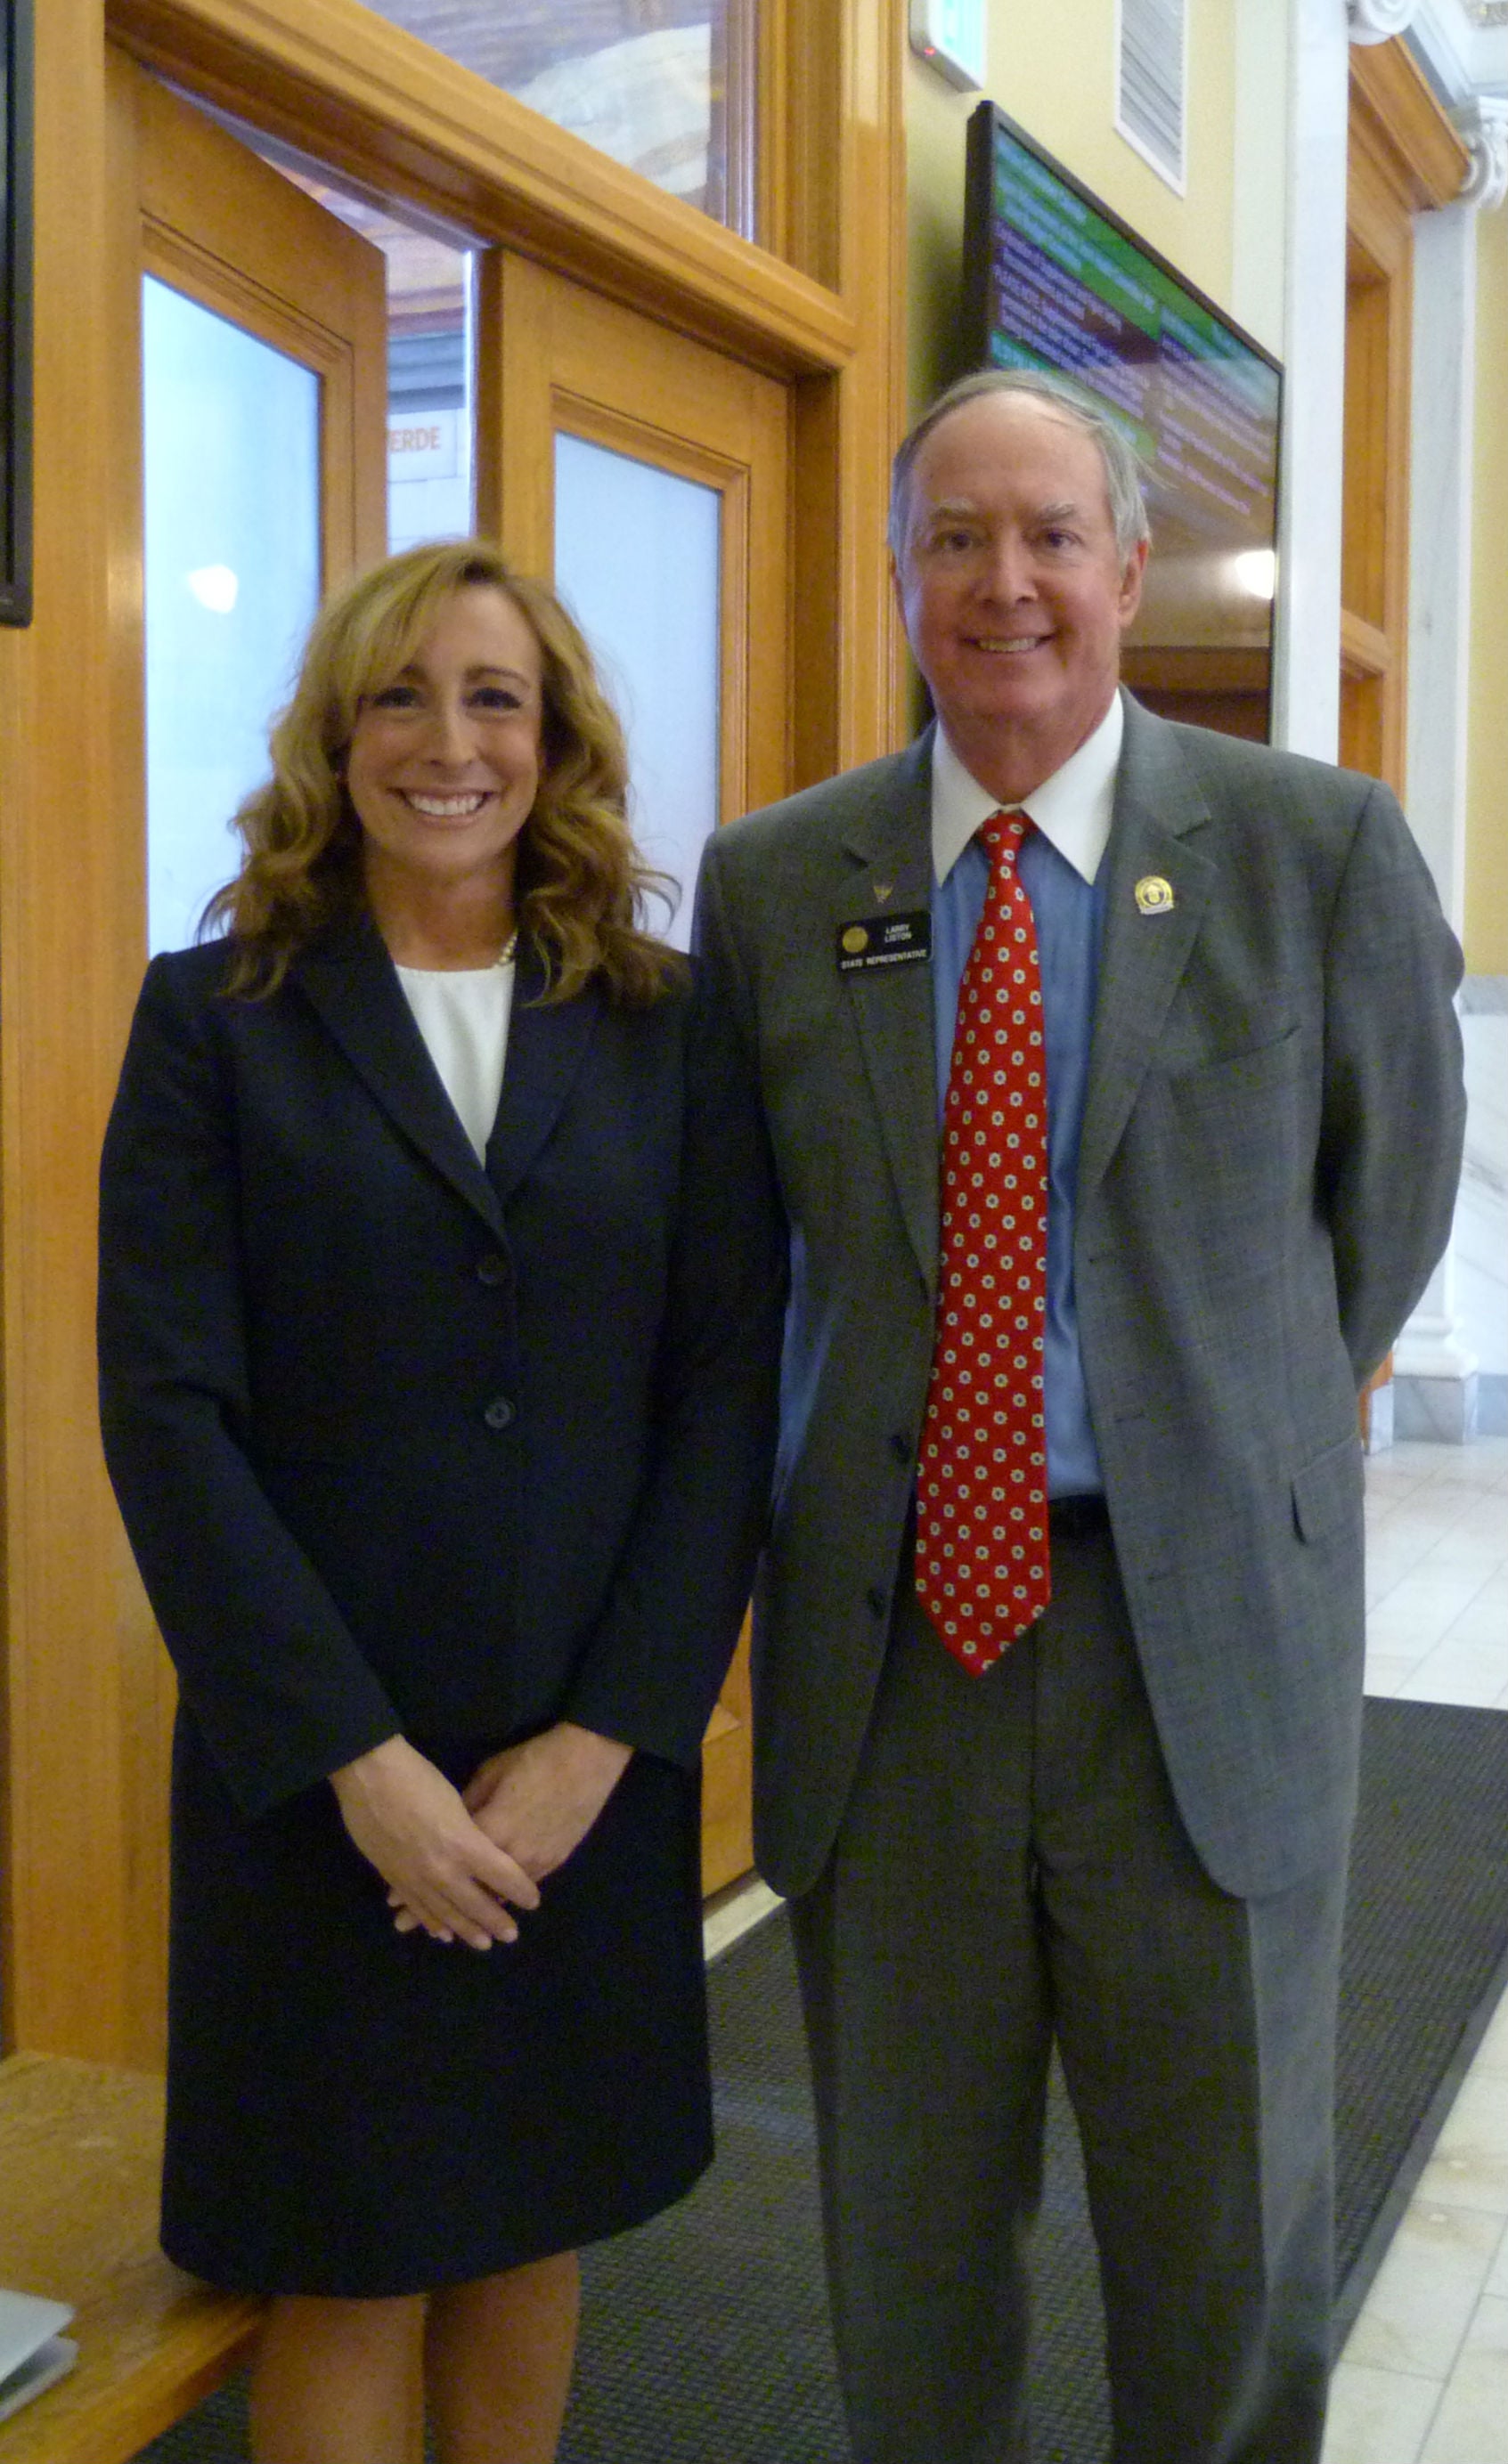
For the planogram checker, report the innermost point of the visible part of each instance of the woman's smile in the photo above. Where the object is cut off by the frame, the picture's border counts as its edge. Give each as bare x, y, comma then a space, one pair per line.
444, 761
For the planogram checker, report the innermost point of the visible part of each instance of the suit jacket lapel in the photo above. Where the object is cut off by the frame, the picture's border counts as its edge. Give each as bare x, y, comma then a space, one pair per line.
887, 851
1160, 810
548, 1044
350, 980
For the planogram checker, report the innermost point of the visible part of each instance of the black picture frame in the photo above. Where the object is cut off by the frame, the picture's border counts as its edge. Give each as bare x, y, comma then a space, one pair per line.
15, 312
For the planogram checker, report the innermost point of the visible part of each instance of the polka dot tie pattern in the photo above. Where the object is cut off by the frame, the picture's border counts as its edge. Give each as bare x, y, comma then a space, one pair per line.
981, 1522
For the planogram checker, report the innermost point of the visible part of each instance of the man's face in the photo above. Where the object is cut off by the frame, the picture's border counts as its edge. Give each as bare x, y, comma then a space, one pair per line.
1014, 593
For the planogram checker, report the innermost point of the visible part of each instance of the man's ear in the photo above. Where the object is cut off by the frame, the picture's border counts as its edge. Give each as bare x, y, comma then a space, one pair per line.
898, 586
1131, 573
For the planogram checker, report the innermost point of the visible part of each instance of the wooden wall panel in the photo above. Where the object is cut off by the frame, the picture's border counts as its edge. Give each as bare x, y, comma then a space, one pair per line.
79, 1692
1404, 158
1374, 551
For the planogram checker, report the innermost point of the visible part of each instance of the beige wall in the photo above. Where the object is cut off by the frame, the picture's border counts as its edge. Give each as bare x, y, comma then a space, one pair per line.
1487, 765
1053, 70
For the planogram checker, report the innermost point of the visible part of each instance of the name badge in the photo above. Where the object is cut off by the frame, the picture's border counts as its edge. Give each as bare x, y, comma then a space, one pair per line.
884, 941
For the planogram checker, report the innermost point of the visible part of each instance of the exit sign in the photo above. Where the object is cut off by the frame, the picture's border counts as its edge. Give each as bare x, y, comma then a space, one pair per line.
950, 36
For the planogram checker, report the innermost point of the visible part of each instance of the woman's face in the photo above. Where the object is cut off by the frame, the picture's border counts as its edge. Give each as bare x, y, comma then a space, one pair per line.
444, 763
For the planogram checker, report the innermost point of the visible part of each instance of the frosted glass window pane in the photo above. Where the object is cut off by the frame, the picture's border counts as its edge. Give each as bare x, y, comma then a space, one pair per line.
232, 432
636, 560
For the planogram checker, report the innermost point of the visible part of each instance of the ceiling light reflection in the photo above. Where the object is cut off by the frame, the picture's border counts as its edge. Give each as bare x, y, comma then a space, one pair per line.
1256, 571
216, 587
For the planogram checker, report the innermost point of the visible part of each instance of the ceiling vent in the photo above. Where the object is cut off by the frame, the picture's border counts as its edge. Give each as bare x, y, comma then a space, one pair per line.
1151, 75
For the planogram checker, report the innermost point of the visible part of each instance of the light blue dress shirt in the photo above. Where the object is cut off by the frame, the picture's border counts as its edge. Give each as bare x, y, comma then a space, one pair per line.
1062, 873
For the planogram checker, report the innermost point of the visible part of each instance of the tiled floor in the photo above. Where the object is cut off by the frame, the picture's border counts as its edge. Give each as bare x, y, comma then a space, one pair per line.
1424, 2379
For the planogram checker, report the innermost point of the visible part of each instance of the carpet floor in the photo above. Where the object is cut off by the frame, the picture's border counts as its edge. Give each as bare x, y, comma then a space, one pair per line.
705, 2338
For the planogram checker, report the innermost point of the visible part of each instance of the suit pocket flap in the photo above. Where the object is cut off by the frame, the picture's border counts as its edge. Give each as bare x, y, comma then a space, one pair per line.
1327, 1492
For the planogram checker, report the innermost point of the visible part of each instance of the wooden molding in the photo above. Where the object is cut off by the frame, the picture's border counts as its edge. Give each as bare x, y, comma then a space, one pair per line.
727, 1836
1394, 114
1364, 648
66, 1872
515, 450
148, 1692
1389, 130
868, 648
817, 203
772, 182
1379, 219
396, 116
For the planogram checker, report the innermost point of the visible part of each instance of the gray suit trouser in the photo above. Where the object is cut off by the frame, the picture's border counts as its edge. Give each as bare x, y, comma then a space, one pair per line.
1012, 1870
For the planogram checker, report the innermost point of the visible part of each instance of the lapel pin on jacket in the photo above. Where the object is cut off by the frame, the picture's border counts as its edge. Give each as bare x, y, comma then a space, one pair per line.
883, 891
1154, 895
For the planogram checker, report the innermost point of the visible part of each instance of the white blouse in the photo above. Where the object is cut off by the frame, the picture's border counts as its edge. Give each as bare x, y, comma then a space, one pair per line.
462, 1014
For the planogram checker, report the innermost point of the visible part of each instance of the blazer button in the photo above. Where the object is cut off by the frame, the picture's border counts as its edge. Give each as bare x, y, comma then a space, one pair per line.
876, 1599
498, 1413
901, 1447
491, 1268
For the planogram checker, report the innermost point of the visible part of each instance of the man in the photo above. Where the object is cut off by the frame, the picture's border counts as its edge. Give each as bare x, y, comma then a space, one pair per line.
1076, 1768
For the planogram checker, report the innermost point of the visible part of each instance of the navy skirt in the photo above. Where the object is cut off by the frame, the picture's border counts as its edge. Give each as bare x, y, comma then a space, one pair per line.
354, 2111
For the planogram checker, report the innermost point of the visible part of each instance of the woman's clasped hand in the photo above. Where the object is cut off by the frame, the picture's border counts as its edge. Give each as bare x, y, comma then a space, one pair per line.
531, 1804
442, 1869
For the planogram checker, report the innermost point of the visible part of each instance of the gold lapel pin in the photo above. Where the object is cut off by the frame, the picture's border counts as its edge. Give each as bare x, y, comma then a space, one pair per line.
883, 891
1154, 895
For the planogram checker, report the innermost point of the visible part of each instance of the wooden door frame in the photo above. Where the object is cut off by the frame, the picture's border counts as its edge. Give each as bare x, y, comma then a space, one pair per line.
80, 1712
1403, 158
182, 186
521, 308
555, 357
826, 314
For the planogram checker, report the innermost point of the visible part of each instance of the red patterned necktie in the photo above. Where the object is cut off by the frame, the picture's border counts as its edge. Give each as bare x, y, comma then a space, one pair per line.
981, 1525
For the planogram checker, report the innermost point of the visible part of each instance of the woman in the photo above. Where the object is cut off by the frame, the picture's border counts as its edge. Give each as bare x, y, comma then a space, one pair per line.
441, 1427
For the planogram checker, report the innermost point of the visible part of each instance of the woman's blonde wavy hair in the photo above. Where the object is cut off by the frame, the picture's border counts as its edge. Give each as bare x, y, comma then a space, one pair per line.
581, 887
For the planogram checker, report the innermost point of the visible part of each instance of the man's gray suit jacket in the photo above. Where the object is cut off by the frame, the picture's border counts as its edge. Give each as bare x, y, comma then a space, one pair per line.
1268, 1160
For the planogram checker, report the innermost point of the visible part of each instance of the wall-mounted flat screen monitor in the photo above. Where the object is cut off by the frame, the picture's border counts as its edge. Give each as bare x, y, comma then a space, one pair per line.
1054, 280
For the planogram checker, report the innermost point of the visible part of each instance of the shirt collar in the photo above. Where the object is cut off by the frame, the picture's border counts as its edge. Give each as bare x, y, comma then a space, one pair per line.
1073, 807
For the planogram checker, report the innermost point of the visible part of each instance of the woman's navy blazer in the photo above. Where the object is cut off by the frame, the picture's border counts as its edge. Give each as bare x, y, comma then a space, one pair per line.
407, 1443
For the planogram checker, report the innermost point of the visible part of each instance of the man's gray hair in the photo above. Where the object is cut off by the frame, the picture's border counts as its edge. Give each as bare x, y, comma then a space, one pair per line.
1121, 466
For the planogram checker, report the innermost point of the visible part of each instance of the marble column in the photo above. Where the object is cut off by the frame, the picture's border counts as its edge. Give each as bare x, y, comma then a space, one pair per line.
1306, 674
1436, 1368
